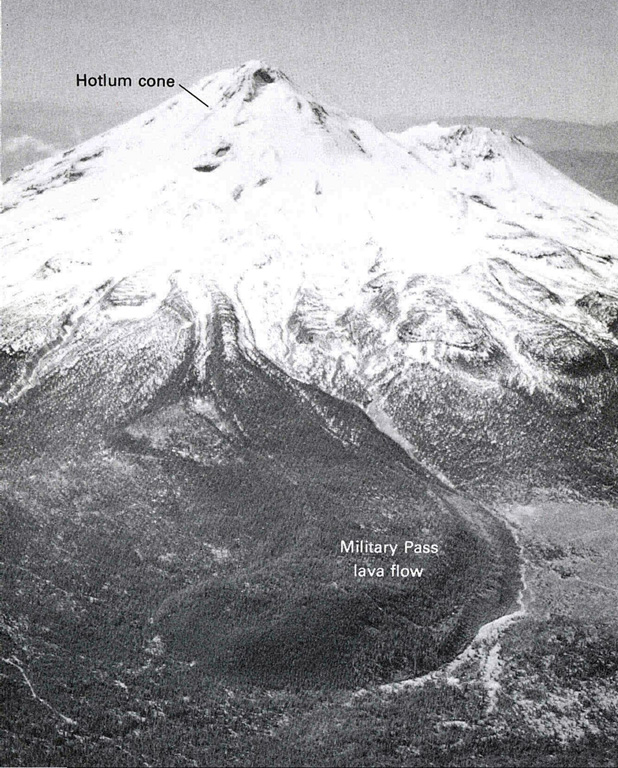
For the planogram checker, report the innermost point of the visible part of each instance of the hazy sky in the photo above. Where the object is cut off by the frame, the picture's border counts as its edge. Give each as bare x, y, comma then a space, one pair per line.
539, 58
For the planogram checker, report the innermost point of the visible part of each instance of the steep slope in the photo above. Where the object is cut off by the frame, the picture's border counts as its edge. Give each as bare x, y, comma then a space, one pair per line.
382, 268
201, 498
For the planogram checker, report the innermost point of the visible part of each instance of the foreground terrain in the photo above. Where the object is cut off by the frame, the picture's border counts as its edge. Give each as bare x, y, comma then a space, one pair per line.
539, 689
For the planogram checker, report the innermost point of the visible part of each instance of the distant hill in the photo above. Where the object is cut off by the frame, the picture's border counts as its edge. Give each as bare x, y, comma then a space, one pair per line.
34, 130
597, 171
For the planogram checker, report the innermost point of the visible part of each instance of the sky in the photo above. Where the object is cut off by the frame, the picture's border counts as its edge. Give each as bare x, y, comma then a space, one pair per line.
553, 59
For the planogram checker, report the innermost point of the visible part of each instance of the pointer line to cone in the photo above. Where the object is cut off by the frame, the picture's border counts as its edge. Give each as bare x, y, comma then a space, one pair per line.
194, 96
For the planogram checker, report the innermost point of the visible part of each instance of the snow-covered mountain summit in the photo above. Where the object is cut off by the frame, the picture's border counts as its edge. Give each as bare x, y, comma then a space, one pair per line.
487, 161
373, 265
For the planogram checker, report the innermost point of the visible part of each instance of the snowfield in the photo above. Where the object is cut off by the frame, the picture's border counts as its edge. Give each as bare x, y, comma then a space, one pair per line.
277, 201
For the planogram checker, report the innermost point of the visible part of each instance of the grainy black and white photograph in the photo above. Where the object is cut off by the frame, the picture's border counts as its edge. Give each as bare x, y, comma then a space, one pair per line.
309, 383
